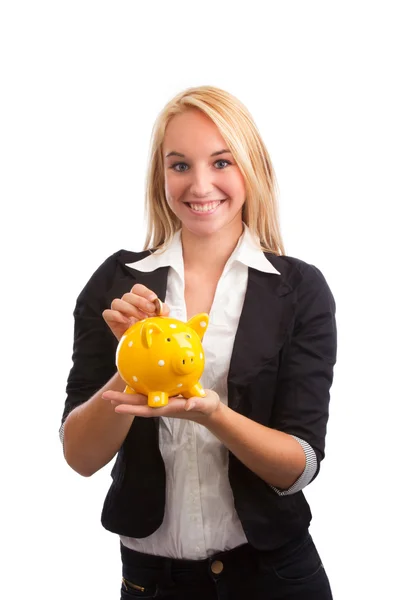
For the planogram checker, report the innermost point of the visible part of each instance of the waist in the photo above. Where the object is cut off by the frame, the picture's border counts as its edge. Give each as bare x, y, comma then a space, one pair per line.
242, 558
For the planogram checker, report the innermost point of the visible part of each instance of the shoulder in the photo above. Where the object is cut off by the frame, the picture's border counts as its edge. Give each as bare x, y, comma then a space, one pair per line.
295, 271
118, 260
123, 257
301, 277
313, 302
106, 279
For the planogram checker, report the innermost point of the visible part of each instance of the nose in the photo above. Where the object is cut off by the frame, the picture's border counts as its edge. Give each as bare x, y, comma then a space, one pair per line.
185, 362
201, 185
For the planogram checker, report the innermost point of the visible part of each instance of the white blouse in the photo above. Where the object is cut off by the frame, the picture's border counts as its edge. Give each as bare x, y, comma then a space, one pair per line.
200, 517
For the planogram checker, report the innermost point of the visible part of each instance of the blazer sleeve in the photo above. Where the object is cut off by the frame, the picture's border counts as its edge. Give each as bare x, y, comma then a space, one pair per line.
301, 404
94, 345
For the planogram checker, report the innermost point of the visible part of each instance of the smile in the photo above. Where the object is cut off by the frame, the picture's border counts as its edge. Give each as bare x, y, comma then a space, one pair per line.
205, 207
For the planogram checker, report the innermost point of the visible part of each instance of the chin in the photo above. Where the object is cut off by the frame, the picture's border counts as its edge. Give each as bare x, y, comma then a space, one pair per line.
209, 229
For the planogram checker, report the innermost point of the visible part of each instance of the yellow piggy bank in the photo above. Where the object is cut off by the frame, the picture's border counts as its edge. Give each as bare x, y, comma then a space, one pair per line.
162, 357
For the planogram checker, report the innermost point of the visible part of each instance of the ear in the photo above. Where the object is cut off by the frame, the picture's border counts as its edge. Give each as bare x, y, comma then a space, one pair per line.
149, 328
199, 323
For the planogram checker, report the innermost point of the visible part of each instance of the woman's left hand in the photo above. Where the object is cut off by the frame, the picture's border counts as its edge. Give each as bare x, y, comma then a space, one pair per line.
194, 409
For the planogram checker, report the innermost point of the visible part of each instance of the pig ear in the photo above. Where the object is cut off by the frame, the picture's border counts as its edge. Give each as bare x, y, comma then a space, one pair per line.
199, 323
149, 328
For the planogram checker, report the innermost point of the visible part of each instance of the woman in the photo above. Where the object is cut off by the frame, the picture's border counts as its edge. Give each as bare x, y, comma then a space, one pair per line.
206, 493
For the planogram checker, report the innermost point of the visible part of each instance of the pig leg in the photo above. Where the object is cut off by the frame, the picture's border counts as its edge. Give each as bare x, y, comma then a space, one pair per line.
195, 390
129, 390
157, 399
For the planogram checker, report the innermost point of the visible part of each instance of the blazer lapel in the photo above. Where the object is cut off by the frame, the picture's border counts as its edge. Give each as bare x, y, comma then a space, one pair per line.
263, 325
154, 280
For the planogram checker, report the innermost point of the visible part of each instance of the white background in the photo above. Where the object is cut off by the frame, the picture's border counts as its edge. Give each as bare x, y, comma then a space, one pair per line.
82, 83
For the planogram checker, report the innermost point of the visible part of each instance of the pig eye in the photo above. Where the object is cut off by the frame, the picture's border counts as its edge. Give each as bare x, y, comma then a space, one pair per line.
168, 339
188, 336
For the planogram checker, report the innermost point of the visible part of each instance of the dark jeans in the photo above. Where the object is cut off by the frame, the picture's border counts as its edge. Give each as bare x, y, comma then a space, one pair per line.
294, 573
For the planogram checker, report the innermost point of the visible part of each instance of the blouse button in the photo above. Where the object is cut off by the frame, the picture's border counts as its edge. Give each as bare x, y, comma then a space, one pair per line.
217, 567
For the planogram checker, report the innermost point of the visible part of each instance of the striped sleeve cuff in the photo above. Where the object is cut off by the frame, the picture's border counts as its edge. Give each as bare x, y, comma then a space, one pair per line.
61, 434
308, 473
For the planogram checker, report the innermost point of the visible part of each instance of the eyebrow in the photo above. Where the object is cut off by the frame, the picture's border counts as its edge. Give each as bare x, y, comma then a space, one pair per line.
224, 151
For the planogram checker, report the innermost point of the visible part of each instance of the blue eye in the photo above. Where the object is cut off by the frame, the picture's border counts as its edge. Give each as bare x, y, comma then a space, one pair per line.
175, 166
222, 161
181, 167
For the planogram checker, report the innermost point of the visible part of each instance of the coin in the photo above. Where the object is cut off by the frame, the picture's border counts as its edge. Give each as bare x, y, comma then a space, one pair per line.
158, 305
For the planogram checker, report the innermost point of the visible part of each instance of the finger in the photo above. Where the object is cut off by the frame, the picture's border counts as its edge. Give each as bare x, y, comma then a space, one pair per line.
141, 290
175, 409
140, 302
161, 308
165, 310
206, 404
129, 307
190, 405
122, 398
136, 411
175, 404
202, 405
114, 316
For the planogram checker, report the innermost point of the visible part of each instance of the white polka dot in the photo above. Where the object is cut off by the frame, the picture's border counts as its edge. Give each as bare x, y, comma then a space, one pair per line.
179, 385
173, 326
161, 363
201, 355
203, 324
135, 378
130, 344
157, 398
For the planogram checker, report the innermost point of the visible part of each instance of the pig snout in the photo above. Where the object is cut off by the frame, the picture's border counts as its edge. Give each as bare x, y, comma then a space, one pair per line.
185, 362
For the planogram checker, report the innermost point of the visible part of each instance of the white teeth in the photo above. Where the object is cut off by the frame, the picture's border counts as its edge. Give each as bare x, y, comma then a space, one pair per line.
205, 207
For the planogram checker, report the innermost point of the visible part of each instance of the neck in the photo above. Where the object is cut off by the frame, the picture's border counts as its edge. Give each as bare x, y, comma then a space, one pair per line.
205, 253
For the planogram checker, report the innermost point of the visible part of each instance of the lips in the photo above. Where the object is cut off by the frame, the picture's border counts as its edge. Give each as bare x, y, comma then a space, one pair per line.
205, 207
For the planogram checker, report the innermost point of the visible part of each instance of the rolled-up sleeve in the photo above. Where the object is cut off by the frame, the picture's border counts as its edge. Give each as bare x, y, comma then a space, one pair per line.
307, 475
301, 406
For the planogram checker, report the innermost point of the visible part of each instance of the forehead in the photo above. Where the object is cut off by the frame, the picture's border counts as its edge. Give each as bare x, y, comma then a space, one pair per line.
192, 130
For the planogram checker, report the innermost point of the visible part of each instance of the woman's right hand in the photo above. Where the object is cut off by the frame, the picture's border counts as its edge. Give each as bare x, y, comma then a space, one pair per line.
134, 306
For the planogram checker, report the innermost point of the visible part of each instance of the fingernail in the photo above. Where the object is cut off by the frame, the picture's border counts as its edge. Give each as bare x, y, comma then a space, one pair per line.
152, 296
150, 307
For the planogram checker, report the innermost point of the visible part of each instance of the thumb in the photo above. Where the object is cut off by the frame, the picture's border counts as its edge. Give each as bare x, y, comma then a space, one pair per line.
200, 403
207, 404
193, 403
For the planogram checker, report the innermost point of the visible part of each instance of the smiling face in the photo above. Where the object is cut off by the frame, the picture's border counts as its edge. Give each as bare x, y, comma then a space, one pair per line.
203, 185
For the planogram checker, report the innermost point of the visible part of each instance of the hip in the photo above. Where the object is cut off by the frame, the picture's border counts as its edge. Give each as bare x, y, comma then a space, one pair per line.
294, 571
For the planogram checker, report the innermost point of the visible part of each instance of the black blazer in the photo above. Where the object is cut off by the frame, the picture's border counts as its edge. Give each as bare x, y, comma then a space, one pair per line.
280, 375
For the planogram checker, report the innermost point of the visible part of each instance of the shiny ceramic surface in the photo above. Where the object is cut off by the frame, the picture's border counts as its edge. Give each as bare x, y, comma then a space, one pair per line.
162, 357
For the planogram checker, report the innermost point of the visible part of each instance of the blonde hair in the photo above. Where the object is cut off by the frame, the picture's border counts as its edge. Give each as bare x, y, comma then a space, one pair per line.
236, 125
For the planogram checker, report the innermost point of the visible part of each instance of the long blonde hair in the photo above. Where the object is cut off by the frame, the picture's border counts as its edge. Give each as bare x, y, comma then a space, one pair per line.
236, 125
